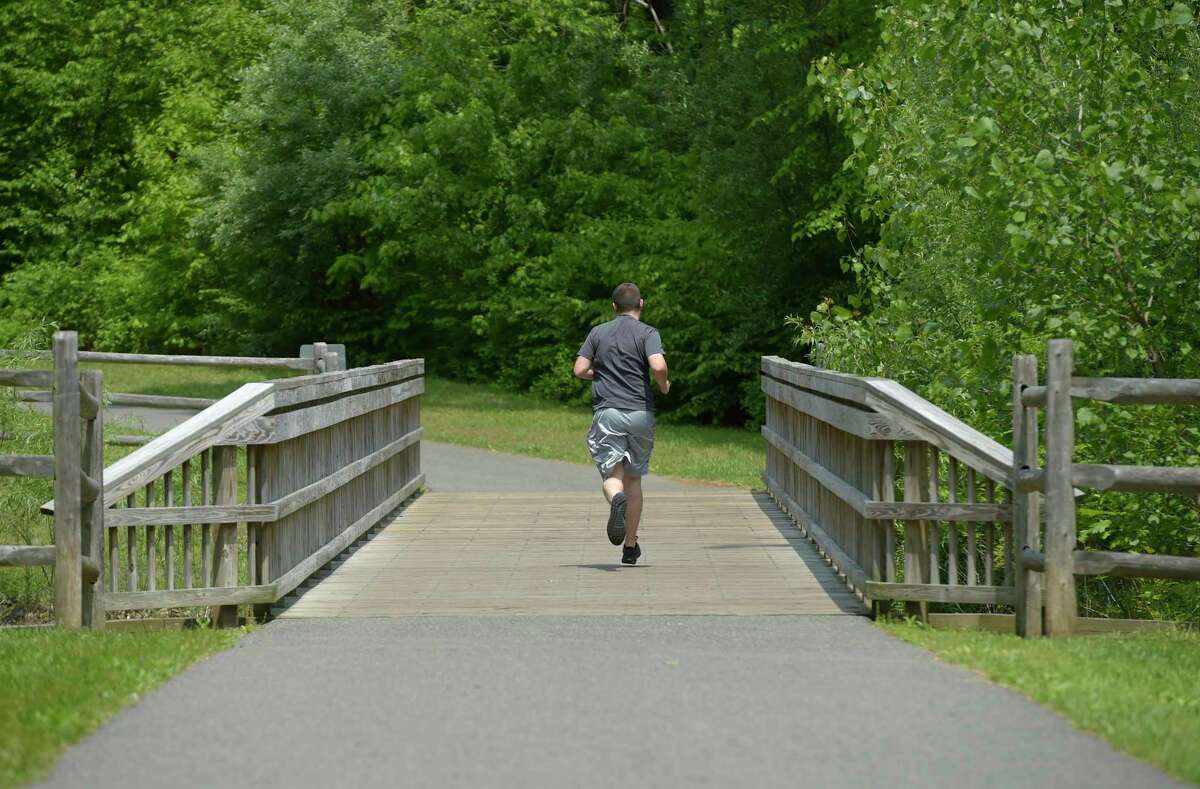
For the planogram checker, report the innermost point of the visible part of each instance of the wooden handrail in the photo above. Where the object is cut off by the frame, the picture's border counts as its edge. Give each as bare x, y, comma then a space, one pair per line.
274, 362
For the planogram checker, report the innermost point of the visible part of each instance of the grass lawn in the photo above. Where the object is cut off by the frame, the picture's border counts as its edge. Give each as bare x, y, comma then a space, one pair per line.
56, 686
487, 416
1139, 691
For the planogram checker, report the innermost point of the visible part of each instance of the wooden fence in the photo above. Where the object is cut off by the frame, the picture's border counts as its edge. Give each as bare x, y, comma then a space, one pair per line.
246, 499
911, 504
317, 357
77, 470
1062, 560
907, 502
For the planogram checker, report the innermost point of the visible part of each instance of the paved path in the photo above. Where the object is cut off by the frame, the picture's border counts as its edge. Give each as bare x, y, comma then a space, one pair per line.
586, 701
706, 552
521, 702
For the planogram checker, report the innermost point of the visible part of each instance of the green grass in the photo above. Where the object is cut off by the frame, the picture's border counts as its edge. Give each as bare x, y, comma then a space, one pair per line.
57, 686
1139, 691
492, 418
179, 381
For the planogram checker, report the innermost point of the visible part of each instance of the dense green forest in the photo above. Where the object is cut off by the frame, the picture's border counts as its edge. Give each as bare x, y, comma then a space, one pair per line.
915, 190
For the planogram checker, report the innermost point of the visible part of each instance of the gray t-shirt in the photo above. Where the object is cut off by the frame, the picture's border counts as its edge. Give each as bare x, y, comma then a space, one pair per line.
620, 351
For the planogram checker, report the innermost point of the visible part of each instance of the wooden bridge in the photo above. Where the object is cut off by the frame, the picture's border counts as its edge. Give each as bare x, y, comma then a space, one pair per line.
302, 496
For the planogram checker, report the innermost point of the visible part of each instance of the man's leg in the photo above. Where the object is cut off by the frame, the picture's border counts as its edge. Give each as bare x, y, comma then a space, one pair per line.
615, 482
633, 506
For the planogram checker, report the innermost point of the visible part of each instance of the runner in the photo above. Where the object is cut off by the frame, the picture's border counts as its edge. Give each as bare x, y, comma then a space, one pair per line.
619, 357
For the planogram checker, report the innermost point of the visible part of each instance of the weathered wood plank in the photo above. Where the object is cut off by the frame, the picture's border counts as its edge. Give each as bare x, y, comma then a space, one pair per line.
34, 466
1125, 391
26, 555
856, 421
829, 480
827, 382
295, 576
1128, 565
15, 377
323, 487
854, 574
938, 593
224, 597
306, 388
285, 426
164, 516
922, 510
939, 428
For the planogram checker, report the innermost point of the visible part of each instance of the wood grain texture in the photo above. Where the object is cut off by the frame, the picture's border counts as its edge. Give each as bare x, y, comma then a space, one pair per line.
942, 593
705, 553
16, 377
856, 421
225, 598
91, 384
1061, 606
68, 576
1025, 507
26, 555
32, 466
831, 481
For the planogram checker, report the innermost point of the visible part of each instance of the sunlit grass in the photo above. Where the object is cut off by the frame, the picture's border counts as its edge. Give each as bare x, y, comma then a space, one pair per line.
57, 685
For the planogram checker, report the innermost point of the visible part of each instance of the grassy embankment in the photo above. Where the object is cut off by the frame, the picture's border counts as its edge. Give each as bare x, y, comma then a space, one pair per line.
57, 686
1136, 690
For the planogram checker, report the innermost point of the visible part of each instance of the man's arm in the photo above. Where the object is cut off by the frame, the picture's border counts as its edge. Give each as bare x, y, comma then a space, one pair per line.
658, 368
583, 368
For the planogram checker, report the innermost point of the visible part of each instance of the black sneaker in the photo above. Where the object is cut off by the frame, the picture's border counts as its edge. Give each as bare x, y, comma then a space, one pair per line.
616, 519
631, 553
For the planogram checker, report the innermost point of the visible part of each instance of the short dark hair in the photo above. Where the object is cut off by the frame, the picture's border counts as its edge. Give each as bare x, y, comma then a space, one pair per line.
627, 297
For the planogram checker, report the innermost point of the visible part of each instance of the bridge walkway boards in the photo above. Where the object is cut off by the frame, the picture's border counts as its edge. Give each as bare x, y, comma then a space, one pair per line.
705, 552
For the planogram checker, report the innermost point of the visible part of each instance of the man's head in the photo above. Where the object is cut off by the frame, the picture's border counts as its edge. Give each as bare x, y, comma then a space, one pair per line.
627, 298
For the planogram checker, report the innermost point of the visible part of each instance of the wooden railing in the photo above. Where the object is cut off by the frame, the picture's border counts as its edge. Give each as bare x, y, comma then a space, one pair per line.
77, 470
1062, 560
907, 502
246, 499
318, 357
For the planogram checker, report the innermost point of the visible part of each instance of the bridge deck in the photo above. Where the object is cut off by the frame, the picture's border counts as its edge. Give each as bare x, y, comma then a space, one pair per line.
720, 552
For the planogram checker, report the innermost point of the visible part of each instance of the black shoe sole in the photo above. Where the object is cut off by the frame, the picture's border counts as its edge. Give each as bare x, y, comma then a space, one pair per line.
633, 559
616, 520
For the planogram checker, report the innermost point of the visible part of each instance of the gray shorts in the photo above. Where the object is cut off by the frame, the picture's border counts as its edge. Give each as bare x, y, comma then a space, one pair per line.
617, 436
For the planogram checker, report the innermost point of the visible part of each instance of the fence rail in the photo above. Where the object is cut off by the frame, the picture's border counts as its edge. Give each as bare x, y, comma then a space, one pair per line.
77, 468
1057, 564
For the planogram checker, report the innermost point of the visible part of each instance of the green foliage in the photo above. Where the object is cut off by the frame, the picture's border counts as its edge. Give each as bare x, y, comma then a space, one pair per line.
1138, 691
56, 686
1036, 172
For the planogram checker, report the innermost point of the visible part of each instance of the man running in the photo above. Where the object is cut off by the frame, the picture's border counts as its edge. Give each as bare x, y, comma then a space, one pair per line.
618, 357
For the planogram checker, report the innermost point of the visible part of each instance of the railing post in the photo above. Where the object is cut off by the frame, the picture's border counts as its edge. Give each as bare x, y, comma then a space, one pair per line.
320, 350
68, 571
1061, 604
916, 546
225, 543
1025, 506
92, 517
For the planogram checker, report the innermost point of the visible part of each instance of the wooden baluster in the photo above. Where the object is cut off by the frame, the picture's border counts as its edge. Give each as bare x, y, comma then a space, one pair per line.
131, 545
225, 544
989, 537
972, 547
934, 534
151, 545
169, 530
206, 578
916, 551
889, 495
952, 548
189, 570
251, 528
1008, 546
